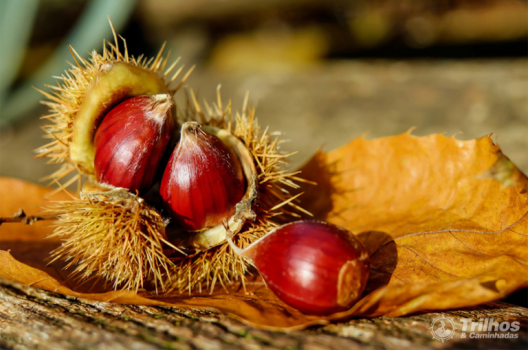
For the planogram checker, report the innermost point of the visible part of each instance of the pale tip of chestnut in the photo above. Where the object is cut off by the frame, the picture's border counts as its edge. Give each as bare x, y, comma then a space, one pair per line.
159, 107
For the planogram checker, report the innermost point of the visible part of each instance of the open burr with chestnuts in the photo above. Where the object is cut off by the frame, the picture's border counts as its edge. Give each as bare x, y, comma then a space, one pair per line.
221, 197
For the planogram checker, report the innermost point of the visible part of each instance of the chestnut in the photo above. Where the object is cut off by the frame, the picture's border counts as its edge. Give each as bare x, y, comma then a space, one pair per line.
203, 181
315, 267
131, 141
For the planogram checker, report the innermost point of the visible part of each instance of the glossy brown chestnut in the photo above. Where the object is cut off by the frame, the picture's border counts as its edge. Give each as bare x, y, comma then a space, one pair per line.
315, 267
131, 141
203, 180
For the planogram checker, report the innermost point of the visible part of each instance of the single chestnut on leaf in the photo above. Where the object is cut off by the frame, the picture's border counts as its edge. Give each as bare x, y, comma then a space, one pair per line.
131, 141
315, 267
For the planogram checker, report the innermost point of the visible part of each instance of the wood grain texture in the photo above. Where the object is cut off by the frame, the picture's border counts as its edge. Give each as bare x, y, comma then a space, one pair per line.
32, 318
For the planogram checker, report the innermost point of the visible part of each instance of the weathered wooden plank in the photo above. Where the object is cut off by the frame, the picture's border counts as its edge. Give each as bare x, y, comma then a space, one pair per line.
36, 319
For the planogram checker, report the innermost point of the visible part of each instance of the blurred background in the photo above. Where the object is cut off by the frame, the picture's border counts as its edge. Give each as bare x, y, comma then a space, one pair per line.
321, 71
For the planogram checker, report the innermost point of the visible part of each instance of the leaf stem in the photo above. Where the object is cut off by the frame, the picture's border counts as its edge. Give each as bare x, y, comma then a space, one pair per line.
21, 216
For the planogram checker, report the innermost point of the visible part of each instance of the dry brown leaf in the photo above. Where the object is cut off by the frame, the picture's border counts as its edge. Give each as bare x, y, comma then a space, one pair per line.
15, 195
445, 222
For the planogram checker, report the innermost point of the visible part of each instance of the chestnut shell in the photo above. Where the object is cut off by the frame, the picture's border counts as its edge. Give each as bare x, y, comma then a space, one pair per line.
131, 141
203, 180
316, 267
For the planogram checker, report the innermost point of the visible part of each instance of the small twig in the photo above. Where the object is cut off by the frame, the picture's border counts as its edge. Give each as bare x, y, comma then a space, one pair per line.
21, 216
